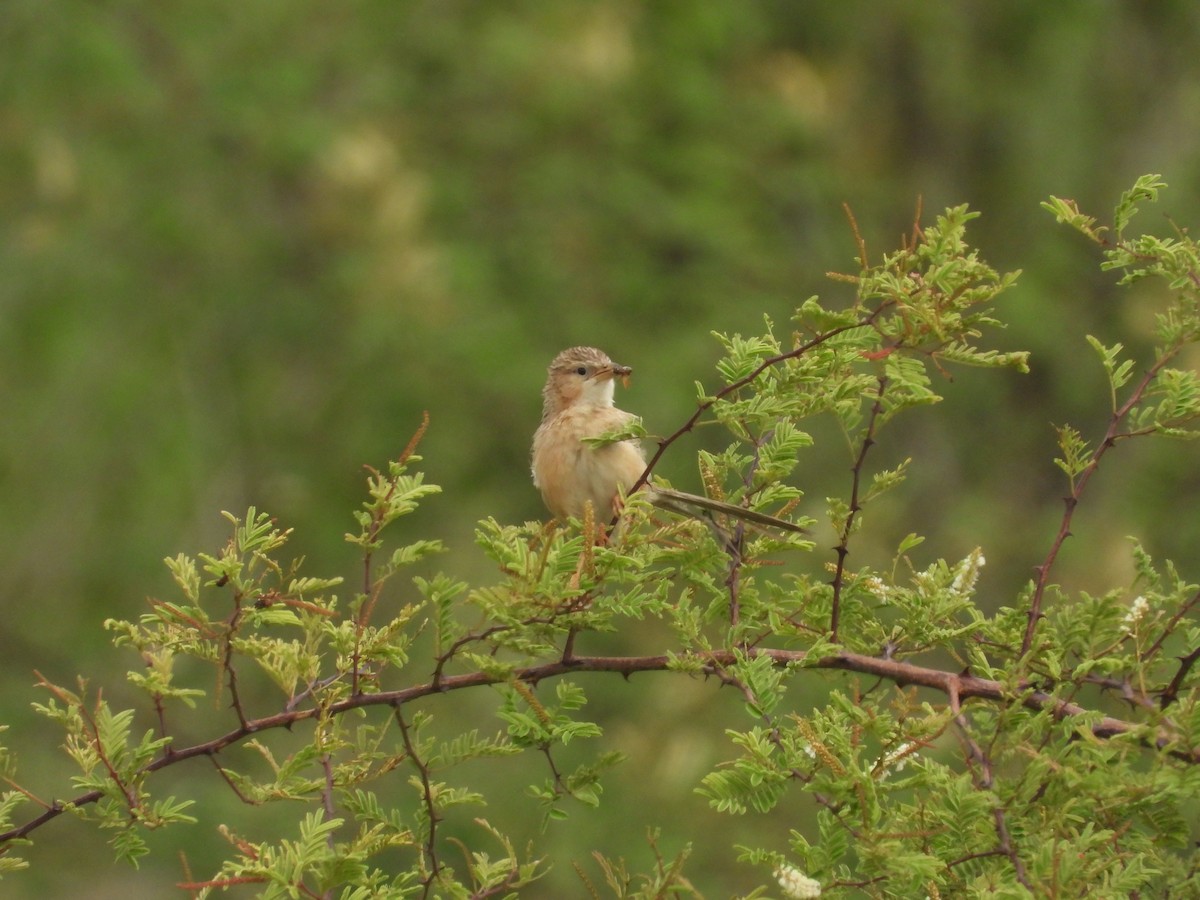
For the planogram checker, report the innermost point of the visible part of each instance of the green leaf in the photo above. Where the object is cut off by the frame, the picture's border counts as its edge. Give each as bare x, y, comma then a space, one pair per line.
1145, 188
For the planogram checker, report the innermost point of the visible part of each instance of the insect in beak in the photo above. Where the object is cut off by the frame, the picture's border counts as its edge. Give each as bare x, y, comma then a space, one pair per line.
622, 372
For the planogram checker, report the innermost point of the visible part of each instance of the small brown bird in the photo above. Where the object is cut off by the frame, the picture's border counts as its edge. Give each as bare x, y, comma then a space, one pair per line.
577, 403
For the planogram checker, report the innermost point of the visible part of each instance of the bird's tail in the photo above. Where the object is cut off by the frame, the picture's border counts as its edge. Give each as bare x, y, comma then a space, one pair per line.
687, 504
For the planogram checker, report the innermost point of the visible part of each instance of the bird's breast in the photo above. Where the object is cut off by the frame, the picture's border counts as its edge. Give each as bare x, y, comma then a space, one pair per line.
570, 473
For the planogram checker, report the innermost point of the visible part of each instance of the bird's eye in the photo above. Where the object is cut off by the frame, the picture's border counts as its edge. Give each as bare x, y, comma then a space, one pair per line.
581, 370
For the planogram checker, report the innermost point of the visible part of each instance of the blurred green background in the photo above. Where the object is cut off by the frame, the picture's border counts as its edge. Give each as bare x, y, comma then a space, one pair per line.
244, 246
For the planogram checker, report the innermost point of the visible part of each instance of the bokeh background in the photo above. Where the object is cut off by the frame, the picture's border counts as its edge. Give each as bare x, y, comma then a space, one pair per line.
244, 246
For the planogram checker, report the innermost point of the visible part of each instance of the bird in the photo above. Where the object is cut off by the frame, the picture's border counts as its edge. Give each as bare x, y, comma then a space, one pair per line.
570, 472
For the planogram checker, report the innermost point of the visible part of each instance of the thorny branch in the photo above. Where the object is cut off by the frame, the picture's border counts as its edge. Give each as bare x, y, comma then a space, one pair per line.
1170, 627
431, 812
1071, 501
980, 764
1168, 696
964, 686
843, 546
227, 653
865, 322
130, 794
574, 605
371, 587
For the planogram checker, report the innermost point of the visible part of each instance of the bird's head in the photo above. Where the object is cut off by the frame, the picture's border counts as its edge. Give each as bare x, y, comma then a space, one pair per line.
580, 376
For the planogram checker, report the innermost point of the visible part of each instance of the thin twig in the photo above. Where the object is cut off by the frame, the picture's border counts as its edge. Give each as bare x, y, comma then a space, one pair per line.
237, 792
980, 764
1168, 696
427, 797
866, 321
227, 652
370, 587
1111, 435
1170, 627
843, 547
130, 794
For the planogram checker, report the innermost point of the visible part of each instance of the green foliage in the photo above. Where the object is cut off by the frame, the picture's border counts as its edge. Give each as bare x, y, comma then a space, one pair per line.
920, 743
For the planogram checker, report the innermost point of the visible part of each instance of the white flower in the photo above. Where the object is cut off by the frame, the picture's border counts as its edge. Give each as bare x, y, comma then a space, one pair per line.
898, 758
796, 885
968, 572
1137, 611
874, 584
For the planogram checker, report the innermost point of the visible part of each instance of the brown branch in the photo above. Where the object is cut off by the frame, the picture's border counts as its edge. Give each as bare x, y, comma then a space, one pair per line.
865, 322
1170, 627
734, 547
1167, 697
237, 792
227, 651
574, 605
431, 812
843, 547
160, 712
1122, 686
900, 673
371, 588
130, 793
985, 781
1070, 502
